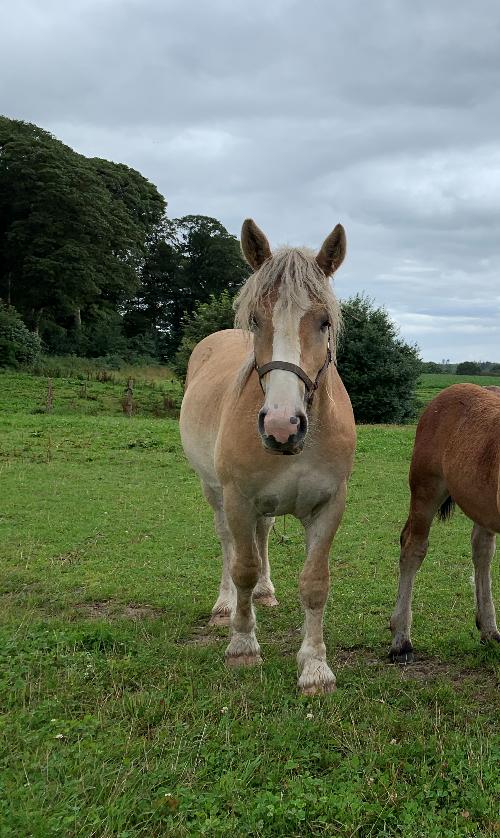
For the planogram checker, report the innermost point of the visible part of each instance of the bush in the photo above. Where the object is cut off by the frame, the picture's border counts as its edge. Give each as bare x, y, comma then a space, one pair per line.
17, 344
378, 368
468, 368
431, 366
207, 318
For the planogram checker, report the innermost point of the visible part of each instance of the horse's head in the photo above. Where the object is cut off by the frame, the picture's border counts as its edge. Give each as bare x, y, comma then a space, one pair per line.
290, 307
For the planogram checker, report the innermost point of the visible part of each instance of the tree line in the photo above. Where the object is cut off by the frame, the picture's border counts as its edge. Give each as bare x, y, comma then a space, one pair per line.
91, 265
88, 256
463, 368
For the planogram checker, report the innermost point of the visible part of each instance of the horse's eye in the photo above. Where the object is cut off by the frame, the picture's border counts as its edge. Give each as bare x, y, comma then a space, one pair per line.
254, 324
325, 326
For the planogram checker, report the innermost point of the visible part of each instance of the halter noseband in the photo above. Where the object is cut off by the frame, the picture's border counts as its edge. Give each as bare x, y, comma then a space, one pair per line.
310, 385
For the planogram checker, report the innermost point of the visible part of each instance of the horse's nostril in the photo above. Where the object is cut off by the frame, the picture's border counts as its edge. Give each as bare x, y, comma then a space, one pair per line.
294, 420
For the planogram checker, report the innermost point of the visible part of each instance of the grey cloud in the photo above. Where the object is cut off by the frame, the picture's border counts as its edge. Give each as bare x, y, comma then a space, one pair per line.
385, 116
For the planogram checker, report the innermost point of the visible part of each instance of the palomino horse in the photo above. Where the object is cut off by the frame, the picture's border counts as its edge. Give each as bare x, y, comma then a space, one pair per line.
269, 388
456, 459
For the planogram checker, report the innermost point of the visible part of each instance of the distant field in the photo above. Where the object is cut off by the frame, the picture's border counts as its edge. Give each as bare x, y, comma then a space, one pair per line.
430, 384
118, 718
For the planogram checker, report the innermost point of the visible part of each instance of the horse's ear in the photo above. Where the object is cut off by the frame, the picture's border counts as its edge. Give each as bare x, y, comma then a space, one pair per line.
332, 252
254, 244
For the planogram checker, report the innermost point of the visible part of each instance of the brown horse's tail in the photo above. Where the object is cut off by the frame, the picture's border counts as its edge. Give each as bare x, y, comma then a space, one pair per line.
446, 509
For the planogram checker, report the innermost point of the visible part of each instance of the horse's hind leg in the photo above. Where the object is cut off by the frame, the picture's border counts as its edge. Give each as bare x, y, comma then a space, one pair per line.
483, 549
264, 593
224, 606
425, 502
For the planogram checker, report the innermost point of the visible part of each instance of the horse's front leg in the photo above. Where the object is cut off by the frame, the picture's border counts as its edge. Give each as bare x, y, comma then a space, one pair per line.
315, 676
243, 649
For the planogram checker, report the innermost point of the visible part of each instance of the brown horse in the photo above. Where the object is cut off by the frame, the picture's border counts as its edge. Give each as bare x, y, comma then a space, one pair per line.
254, 395
456, 459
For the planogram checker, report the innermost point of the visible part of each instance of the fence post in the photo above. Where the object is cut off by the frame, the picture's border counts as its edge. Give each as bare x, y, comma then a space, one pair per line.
50, 396
128, 401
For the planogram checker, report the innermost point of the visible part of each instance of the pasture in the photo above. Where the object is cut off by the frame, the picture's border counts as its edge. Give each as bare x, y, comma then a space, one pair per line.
118, 716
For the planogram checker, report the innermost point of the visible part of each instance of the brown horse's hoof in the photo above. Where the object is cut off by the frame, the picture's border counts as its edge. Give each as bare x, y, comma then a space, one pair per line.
494, 637
403, 655
243, 660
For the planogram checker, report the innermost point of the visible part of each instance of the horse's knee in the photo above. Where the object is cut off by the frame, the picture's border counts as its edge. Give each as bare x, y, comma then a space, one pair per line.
245, 575
314, 587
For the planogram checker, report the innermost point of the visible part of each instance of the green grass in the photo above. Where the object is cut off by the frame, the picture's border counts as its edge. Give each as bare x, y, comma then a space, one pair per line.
90, 396
430, 384
117, 715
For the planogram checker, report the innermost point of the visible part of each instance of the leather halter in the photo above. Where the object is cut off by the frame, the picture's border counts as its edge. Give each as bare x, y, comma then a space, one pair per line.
310, 385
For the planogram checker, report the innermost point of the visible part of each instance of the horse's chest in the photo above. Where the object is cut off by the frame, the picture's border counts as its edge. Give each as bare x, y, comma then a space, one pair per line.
293, 494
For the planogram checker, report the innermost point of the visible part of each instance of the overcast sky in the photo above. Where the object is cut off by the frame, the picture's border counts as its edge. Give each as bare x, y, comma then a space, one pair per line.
383, 115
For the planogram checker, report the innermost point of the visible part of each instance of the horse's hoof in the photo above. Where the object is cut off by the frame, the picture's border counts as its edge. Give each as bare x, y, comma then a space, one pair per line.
318, 689
267, 600
235, 661
220, 618
243, 650
494, 637
403, 655
316, 678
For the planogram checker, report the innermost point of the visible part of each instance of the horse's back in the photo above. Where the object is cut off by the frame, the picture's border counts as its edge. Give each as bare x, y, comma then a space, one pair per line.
458, 438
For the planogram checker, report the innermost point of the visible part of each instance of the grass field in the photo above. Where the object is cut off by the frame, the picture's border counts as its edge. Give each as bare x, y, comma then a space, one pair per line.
430, 384
117, 715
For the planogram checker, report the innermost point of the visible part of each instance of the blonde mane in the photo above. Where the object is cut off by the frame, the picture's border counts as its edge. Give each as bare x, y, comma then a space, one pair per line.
301, 284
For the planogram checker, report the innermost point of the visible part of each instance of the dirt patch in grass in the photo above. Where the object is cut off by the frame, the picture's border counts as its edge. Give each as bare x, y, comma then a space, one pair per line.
111, 610
424, 669
205, 635
203, 638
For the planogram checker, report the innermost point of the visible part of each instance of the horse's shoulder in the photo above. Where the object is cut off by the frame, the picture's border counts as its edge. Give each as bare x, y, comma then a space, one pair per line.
215, 348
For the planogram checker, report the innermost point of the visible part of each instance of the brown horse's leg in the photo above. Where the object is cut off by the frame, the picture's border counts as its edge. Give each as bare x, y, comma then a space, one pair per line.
264, 590
483, 550
221, 612
243, 649
315, 676
425, 502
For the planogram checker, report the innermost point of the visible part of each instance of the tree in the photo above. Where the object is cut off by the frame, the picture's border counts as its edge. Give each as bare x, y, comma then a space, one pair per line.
431, 366
468, 368
189, 260
17, 344
207, 318
72, 230
378, 368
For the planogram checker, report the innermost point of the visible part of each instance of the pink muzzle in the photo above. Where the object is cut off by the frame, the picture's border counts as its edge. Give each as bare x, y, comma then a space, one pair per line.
280, 424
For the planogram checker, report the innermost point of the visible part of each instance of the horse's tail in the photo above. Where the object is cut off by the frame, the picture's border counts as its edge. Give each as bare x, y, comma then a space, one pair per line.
446, 509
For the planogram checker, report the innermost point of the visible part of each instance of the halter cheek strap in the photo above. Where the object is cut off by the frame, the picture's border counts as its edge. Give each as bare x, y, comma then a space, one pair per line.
310, 385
